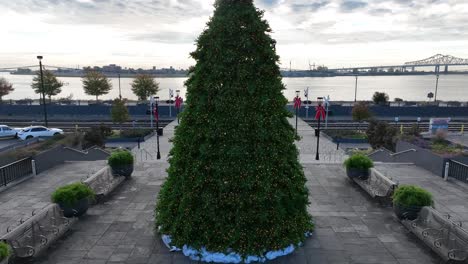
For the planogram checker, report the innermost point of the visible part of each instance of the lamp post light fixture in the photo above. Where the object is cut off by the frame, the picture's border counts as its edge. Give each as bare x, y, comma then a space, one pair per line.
43, 90
419, 121
319, 115
156, 115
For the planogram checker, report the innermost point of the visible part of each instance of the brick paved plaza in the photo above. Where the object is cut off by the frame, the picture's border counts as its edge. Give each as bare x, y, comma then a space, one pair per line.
350, 226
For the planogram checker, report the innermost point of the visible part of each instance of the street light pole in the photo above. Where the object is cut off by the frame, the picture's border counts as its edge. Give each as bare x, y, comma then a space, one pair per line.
151, 111
297, 106
437, 86
319, 114
355, 89
120, 91
158, 156
177, 107
43, 91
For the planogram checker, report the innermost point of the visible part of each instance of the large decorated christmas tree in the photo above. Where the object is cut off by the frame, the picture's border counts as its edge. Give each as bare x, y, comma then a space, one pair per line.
235, 183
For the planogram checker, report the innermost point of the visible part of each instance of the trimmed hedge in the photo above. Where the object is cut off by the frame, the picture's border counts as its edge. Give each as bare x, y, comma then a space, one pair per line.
135, 133
5, 250
72, 193
410, 195
120, 157
359, 161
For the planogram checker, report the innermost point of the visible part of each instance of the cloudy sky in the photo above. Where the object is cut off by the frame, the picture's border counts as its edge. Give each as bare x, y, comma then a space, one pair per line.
143, 33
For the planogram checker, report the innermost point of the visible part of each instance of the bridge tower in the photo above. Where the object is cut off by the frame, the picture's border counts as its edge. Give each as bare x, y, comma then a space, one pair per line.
437, 69
446, 69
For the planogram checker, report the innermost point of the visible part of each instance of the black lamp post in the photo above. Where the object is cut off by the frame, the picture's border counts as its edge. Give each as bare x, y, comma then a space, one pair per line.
156, 99
297, 107
120, 91
355, 89
177, 107
43, 91
319, 115
436, 88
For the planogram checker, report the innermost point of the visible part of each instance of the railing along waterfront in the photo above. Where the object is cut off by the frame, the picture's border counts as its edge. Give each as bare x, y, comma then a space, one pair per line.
15, 171
458, 170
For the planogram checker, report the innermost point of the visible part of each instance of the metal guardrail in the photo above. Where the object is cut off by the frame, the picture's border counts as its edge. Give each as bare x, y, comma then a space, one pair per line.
15, 171
458, 170
403, 152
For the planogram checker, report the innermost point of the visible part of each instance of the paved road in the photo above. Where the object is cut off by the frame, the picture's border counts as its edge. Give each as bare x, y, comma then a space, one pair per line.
351, 228
6, 142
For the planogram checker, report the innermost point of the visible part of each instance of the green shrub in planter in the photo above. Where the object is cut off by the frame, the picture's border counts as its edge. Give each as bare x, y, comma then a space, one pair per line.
121, 163
358, 165
408, 200
73, 199
5, 251
135, 133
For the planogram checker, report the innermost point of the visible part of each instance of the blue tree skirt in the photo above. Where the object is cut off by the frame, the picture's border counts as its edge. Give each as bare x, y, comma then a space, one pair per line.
207, 256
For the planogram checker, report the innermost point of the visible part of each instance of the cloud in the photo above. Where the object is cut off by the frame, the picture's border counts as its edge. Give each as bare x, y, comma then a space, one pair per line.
348, 6
107, 28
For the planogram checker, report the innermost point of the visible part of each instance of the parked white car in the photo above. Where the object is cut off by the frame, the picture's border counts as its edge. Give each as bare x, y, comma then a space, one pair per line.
8, 132
38, 131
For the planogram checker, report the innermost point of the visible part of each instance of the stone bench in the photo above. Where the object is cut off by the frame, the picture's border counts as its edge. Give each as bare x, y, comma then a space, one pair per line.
378, 186
103, 183
443, 236
34, 235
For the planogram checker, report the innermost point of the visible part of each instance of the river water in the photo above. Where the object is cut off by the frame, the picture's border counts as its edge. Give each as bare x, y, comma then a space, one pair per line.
409, 88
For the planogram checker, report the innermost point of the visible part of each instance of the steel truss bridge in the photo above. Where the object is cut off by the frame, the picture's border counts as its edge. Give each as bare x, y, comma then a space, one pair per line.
436, 61
37, 66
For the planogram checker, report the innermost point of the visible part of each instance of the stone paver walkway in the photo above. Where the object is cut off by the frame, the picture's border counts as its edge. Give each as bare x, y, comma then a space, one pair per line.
449, 197
351, 228
308, 146
19, 201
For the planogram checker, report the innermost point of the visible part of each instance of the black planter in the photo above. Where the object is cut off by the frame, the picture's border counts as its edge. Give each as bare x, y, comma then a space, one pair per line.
362, 174
122, 170
77, 209
406, 212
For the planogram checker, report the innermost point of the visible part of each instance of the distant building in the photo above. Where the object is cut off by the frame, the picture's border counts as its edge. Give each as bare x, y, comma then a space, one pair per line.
111, 68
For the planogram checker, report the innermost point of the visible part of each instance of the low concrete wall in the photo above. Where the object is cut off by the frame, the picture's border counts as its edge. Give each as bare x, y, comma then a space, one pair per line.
36, 234
421, 157
103, 183
382, 155
60, 154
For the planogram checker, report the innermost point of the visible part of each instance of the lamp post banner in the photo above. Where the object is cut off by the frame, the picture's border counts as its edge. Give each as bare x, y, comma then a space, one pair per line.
178, 102
297, 102
156, 114
320, 112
